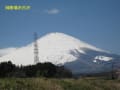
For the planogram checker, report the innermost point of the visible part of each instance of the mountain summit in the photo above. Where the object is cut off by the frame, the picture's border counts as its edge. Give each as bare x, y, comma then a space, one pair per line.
59, 48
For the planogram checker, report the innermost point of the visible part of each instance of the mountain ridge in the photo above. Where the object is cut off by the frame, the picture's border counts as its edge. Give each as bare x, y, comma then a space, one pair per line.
62, 49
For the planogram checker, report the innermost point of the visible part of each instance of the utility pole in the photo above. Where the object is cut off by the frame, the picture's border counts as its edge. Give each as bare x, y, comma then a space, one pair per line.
112, 71
36, 51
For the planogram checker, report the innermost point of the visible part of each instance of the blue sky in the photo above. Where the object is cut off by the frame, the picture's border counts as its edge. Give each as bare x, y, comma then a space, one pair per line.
96, 22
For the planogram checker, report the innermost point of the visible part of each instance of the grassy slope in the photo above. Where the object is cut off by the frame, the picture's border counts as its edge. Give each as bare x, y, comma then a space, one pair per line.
55, 84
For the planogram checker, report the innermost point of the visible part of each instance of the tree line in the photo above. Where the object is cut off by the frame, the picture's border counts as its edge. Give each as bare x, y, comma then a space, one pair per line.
8, 69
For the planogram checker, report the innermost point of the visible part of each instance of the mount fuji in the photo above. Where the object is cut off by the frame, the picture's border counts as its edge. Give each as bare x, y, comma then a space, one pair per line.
62, 49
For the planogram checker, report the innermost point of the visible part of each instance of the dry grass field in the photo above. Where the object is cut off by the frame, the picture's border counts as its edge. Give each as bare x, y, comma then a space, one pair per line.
58, 84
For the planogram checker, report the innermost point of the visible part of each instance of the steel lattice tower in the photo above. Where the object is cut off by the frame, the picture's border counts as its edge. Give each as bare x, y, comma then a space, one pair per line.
36, 51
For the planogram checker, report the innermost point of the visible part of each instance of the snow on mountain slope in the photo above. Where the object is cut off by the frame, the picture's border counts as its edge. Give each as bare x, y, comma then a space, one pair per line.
6, 51
103, 58
53, 47
58, 48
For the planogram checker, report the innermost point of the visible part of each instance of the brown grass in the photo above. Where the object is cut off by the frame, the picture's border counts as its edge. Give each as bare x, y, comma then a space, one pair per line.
58, 84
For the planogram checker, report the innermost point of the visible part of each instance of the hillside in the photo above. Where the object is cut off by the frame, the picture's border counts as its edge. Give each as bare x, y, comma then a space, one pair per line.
62, 49
58, 84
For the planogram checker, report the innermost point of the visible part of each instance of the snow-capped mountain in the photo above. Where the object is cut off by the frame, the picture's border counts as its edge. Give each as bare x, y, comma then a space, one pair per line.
62, 49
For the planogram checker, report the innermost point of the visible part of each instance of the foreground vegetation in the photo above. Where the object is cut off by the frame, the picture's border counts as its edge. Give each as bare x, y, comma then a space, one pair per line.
47, 76
58, 84
47, 69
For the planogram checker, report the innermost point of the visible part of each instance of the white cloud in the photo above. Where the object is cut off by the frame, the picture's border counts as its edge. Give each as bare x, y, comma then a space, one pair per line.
52, 11
5, 51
